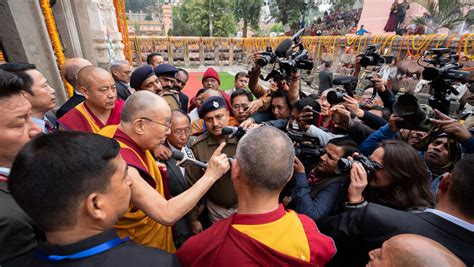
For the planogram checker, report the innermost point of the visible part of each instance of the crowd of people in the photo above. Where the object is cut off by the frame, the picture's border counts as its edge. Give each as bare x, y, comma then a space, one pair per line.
131, 171
336, 22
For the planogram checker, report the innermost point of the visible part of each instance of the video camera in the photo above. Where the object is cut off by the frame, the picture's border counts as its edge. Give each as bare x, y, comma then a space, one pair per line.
306, 147
344, 166
443, 73
290, 55
371, 57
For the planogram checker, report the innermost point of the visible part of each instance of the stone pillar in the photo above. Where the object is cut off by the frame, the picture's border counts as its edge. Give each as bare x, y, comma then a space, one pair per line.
100, 39
25, 39
66, 24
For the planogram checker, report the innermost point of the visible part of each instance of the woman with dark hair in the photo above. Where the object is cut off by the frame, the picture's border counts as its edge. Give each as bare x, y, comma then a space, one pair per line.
401, 180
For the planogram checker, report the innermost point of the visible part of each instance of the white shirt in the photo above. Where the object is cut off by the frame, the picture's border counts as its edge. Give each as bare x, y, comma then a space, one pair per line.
451, 218
182, 150
4, 171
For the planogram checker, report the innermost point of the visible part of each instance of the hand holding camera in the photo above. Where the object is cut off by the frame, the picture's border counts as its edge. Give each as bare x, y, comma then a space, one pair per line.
358, 183
353, 106
378, 83
393, 122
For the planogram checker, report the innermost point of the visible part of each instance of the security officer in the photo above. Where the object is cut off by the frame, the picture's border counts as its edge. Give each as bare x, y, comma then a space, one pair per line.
166, 75
221, 198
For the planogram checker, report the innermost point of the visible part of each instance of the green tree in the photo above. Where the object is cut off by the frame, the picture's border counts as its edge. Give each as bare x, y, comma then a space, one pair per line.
137, 5
249, 12
204, 18
442, 13
290, 11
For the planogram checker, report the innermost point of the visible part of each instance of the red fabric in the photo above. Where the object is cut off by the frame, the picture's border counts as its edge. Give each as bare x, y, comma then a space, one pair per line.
211, 73
3, 179
74, 120
224, 244
132, 160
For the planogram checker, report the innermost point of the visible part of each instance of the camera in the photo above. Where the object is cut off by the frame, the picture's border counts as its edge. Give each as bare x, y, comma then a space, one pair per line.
371, 57
415, 116
290, 56
344, 166
336, 97
443, 74
268, 57
306, 147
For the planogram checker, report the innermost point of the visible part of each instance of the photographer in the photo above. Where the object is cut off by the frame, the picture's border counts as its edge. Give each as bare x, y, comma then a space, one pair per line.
400, 181
320, 194
259, 91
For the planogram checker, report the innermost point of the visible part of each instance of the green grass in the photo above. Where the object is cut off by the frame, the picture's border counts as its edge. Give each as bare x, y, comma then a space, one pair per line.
227, 80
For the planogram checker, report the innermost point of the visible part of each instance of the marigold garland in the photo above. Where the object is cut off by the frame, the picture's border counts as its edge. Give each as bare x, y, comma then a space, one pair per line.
55, 40
122, 26
466, 42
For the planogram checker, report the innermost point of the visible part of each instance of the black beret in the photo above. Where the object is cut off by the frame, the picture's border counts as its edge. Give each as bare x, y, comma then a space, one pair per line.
211, 104
139, 75
165, 70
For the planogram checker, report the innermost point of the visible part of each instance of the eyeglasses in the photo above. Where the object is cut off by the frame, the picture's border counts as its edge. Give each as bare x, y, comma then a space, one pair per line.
238, 107
186, 131
168, 126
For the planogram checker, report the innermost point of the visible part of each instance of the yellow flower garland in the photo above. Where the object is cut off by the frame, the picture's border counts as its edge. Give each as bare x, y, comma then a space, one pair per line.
466, 42
55, 40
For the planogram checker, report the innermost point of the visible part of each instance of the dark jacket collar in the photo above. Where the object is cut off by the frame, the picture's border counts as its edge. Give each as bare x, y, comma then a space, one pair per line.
50, 249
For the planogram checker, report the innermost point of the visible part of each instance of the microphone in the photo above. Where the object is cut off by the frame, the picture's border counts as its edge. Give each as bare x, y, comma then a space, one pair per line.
187, 159
233, 131
345, 80
283, 47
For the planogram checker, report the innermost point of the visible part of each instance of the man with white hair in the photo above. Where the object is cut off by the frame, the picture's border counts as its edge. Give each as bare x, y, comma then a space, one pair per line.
145, 123
121, 72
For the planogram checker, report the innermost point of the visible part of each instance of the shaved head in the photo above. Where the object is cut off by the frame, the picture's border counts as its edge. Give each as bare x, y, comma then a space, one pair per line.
413, 250
88, 74
210, 92
71, 67
142, 103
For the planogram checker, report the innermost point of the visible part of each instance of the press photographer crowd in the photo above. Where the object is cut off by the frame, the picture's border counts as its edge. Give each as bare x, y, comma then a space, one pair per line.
131, 172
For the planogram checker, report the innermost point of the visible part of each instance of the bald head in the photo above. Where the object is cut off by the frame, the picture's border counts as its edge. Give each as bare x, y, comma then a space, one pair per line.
413, 250
257, 159
89, 74
71, 67
210, 92
141, 104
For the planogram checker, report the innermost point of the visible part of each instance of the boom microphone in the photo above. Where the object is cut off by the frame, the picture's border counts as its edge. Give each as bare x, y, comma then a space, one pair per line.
233, 131
283, 47
187, 159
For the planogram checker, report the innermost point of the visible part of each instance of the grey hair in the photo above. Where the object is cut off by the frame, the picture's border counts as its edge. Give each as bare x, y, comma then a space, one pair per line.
115, 64
266, 158
138, 104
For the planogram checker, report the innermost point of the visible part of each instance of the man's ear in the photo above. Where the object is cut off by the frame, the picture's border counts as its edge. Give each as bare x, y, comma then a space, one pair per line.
291, 175
84, 91
445, 181
95, 206
235, 170
138, 126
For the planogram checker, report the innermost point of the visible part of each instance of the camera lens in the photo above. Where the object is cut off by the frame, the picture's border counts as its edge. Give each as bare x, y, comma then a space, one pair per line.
335, 97
263, 61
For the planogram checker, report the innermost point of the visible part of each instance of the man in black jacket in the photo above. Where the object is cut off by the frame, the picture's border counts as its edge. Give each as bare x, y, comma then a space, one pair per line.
76, 203
17, 235
451, 224
121, 72
69, 71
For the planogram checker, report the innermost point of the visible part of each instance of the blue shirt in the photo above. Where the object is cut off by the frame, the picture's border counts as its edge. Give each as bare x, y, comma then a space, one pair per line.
361, 32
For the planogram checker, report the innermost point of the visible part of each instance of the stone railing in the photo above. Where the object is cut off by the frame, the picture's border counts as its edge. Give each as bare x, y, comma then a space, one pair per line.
208, 51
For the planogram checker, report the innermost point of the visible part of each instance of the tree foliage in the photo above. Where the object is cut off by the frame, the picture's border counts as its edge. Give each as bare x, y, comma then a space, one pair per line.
442, 13
249, 12
290, 11
195, 17
137, 5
